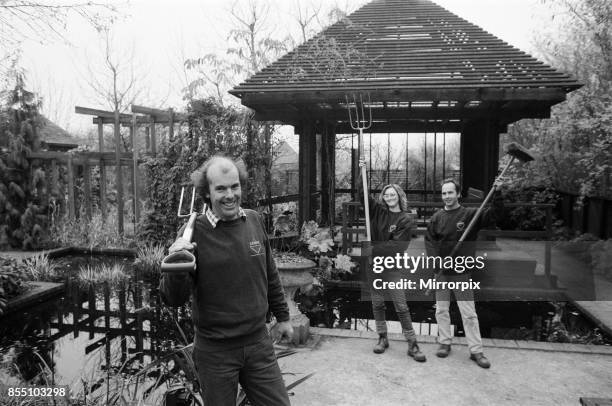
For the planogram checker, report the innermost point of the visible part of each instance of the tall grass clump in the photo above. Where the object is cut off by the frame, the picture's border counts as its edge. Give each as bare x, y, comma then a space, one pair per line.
11, 376
115, 275
149, 259
40, 268
96, 232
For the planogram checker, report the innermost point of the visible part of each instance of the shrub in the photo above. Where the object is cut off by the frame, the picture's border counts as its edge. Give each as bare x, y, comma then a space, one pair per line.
526, 218
12, 281
95, 232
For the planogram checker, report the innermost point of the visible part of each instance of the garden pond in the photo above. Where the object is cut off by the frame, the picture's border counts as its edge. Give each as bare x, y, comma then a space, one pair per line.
93, 330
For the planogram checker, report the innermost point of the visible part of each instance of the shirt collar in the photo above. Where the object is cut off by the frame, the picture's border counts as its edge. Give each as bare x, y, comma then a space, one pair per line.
213, 219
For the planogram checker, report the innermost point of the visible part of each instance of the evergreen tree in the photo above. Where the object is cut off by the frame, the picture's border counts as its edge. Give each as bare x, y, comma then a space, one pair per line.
22, 209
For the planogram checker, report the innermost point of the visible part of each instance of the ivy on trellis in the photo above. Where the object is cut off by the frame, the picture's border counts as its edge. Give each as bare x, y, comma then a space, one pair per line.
209, 129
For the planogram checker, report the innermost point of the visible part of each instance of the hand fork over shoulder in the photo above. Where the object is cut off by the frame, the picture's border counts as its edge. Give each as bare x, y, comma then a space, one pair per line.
183, 261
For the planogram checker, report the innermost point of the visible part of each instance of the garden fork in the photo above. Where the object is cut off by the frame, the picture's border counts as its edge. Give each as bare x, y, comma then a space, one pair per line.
362, 120
183, 261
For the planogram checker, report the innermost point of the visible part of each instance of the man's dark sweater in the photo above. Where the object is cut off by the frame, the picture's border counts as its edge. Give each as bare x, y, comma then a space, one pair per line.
235, 284
446, 227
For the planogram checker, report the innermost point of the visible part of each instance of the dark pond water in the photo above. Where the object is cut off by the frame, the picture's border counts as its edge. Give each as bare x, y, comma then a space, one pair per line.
505, 320
90, 330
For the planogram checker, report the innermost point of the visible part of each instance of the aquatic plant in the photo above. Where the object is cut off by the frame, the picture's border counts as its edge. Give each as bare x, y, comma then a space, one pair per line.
40, 268
148, 259
114, 275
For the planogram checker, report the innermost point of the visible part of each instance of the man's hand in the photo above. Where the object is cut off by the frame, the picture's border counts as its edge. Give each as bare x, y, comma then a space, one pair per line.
362, 163
283, 329
181, 244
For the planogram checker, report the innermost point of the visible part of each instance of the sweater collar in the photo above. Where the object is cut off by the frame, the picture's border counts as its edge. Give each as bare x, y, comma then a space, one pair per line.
213, 219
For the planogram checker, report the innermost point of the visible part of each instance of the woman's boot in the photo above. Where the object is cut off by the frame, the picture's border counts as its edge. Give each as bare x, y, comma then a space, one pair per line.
382, 344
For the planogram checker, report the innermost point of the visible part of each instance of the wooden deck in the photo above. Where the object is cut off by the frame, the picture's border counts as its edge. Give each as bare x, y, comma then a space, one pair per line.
39, 292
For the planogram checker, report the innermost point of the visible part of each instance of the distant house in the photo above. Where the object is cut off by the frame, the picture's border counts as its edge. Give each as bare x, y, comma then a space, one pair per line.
55, 138
285, 170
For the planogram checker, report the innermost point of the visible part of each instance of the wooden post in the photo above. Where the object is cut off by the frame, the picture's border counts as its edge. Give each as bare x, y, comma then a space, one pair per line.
547, 249
170, 123
107, 325
153, 140
268, 174
119, 174
123, 322
480, 154
91, 311
102, 169
54, 185
147, 139
135, 172
308, 177
139, 319
76, 314
328, 175
70, 171
87, 187
435, 161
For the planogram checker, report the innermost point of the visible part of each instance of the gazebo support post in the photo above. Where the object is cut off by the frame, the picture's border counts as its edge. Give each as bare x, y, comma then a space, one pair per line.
307, 171
479, 154
328, 175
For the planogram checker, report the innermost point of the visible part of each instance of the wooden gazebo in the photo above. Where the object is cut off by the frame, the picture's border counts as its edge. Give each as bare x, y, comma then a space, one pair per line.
422, 68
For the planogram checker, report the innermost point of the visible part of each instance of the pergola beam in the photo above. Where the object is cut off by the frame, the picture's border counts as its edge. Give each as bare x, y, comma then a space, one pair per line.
394, 94
100, 113
407, 114
159, 115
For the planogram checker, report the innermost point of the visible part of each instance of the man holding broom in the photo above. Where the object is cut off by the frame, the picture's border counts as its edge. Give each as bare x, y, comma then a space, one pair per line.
444, 230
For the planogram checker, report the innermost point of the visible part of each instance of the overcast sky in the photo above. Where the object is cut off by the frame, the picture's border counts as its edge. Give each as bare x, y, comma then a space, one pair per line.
161, 34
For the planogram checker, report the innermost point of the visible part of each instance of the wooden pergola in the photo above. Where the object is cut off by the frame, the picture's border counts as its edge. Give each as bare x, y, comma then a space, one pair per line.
422, 69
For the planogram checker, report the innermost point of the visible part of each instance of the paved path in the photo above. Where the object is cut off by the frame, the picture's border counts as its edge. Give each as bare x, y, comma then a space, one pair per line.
347, 372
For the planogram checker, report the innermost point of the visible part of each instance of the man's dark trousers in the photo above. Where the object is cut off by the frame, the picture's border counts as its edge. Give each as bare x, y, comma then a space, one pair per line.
221, 367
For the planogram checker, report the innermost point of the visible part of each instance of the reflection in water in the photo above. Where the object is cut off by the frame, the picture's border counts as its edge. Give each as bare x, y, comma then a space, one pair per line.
92, 331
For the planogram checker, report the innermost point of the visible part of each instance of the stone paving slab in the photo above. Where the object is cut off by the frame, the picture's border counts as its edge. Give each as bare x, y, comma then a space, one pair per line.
347, 372
487, 342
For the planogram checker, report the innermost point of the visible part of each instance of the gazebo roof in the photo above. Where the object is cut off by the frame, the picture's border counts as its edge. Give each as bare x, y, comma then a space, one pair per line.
413, 59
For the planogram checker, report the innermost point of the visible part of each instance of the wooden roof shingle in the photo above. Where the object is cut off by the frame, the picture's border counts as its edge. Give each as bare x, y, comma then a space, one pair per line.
402, 51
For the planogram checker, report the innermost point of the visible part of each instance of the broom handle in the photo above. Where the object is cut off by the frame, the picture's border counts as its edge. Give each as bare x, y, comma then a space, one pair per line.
480, 209
474, 219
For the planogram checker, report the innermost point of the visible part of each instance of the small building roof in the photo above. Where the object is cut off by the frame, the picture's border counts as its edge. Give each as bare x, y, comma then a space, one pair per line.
412, 58
52, 134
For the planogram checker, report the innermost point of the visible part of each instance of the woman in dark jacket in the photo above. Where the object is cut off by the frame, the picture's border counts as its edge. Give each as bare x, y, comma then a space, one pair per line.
391, 229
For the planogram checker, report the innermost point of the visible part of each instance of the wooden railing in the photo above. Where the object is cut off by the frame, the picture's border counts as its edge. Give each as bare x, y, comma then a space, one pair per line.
353, 225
